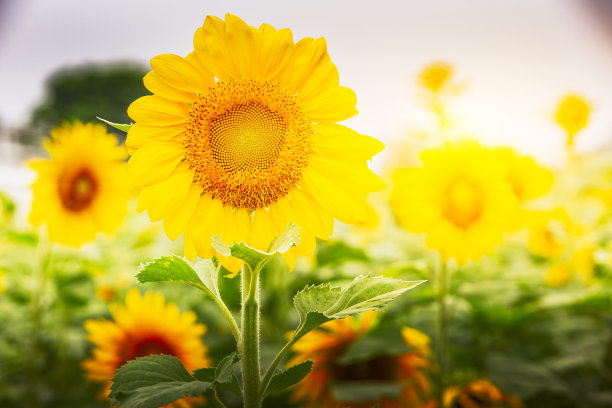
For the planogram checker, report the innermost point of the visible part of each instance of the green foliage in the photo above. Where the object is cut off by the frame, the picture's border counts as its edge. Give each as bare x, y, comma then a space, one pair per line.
255, 258
154, 381
289, 377
223, 375
319, 304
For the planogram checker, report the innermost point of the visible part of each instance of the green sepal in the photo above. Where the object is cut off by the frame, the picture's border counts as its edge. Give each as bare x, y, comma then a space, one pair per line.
123, 127
253, 257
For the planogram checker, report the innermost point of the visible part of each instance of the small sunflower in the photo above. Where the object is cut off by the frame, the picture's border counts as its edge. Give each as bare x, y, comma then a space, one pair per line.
82, 189
479, 394
573, 115
435, 76
461, 198
144, 326
326, 345
240, 138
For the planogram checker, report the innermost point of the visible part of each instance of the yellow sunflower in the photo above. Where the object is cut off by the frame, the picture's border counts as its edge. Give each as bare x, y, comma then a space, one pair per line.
435, 76
550, 232
573, 115
326, 345
479, 394
83, 188
528, 179
240, 138
461, 198
144, 326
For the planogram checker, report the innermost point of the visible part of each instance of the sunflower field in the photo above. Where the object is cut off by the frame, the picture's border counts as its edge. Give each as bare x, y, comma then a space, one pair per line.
228, 240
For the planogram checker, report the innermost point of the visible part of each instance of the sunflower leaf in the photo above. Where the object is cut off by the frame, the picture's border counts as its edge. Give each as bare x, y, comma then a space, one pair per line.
319, 304
289, 377
171, 269
368, 293
254, 257
123, 127
222, 376
154, 381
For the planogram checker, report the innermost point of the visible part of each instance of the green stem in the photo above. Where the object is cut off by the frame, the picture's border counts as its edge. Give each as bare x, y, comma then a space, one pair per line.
441, 335
251, 376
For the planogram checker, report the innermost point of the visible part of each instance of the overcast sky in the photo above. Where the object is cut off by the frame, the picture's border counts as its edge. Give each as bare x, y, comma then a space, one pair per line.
518, 56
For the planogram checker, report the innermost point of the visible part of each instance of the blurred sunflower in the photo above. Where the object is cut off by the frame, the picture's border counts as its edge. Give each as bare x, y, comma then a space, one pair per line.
239, 139
144, 326
479, 394
461, 198
549, 232
573, 115
83, 188
528, 179
326, 345
435, 76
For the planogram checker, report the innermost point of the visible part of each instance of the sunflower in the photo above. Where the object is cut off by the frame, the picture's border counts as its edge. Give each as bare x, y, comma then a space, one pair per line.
460, 197
326, 345
573, 115
239, 138
550, 232
435, 76
82, 189
528, 179
479, 394
144, 326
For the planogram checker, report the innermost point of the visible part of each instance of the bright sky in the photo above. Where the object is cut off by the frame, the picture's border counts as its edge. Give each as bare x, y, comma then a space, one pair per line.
518, 56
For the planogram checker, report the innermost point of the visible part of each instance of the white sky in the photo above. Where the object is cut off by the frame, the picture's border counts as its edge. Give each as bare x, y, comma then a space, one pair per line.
518, 56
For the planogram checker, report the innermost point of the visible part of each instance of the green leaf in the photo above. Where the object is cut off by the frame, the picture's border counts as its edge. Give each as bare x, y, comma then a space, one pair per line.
223, 375
375, 343
226, 368
366, 391
319, 304
368, 293
285, 241
254, 257
176, 269
311, 304
123, 127
169, 269
205, 374
154, 381
289, 377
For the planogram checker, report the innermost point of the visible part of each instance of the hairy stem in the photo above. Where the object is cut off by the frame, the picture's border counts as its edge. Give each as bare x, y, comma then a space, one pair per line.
251, 376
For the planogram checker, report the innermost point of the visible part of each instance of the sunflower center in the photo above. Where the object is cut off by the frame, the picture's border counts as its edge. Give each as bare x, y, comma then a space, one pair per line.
77, 190
248, 142
464, 203
147, 346
247, 138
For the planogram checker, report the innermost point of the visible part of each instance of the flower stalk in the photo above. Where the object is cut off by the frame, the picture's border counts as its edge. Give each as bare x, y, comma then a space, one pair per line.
251, 376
